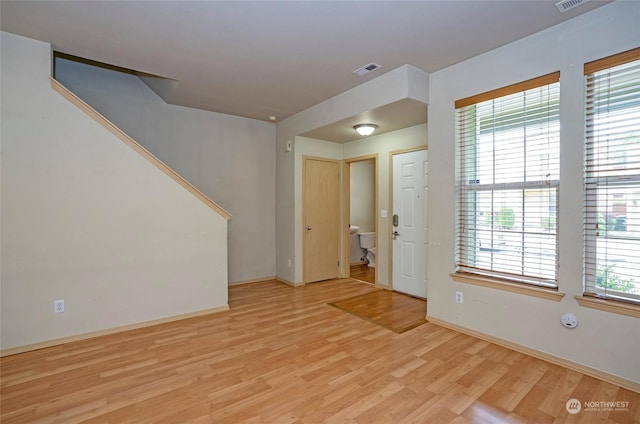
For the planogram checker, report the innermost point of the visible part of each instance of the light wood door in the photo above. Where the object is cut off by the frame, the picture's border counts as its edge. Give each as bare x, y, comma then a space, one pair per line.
410, 188
321, 219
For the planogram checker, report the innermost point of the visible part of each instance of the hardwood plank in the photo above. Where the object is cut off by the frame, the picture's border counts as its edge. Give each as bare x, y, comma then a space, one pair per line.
281, 354
396, 311
363, 272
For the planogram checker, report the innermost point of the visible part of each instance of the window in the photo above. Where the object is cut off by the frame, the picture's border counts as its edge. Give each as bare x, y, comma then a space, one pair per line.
508, 172
612, 177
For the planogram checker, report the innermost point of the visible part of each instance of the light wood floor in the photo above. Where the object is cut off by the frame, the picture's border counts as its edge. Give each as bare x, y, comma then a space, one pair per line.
363, 273
282, 355
394, 311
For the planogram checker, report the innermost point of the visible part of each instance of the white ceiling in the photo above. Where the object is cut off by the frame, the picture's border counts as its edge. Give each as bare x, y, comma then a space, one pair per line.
390, 117
263, 58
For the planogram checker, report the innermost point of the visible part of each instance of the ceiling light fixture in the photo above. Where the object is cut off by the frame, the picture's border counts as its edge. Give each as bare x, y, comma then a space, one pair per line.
365, 129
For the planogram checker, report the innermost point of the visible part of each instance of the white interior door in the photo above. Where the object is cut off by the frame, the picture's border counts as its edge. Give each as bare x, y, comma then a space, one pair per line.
410, 175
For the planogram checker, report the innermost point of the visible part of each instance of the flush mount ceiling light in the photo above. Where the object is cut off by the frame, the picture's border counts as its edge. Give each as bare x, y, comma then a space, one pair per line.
365, 129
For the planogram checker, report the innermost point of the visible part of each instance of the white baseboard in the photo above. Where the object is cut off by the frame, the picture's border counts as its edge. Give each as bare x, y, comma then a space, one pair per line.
256, 280
90, 335
282, 280
592, 372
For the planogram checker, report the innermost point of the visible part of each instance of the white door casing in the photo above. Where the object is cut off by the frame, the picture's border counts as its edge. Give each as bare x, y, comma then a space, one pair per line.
410, 188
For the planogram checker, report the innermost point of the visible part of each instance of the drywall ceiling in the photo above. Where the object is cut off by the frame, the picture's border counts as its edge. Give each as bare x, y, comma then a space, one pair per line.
393, 116
275, 58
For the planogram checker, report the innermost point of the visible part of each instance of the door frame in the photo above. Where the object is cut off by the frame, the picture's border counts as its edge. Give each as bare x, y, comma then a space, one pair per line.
304, 203
346, 209
391, 211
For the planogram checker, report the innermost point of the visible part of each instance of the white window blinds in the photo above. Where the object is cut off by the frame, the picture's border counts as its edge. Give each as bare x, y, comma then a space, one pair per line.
612, 177
508, 172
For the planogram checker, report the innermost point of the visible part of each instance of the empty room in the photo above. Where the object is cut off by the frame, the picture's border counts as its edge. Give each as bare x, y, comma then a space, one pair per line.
320, 211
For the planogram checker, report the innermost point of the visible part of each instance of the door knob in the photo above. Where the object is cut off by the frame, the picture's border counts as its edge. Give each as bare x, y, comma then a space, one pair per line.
395, 234
308, 227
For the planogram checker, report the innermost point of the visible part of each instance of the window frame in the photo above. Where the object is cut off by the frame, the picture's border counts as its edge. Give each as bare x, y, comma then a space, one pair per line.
540, 287
594, 186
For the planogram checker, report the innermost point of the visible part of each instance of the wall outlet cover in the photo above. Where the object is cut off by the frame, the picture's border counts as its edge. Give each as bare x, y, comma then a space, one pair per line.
58, 306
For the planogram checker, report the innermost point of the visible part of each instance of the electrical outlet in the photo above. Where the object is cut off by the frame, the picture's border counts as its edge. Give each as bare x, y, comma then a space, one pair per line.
58, 306
289, 263
459, 297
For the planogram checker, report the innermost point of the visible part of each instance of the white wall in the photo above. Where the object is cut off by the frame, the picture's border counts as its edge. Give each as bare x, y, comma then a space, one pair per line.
602, 340
88, 220
383, 145
401, 83
231, 159
305, 146
362, 195
362, 203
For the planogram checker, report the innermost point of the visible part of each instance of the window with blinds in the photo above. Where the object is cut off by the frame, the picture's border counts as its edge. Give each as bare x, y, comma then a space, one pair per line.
612, 177
508, 173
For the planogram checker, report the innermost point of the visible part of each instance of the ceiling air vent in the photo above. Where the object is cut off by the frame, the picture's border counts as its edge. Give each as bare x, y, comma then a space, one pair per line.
565, 5
367, 68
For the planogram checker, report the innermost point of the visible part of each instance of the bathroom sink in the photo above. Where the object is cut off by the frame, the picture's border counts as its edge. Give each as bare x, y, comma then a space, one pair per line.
353, 229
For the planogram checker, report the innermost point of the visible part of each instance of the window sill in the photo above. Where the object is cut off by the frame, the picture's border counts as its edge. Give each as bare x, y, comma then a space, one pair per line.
494, 283
609, 305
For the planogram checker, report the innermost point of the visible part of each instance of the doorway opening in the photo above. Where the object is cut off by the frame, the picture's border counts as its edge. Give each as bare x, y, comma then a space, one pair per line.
360, 205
